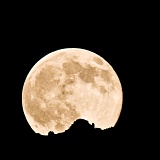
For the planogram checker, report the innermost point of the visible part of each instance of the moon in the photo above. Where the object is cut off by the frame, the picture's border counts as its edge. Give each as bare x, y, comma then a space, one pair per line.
71, 84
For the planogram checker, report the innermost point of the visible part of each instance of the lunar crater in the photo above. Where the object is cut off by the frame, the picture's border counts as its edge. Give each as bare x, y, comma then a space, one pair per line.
98, 60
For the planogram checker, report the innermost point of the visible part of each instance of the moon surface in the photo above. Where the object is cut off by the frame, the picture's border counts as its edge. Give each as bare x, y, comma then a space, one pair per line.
71, 84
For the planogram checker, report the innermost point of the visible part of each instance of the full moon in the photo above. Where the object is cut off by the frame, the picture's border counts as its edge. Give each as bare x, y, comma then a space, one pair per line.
71, 84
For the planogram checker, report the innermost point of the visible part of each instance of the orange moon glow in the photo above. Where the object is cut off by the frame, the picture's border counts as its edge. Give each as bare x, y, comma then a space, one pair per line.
71, 84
